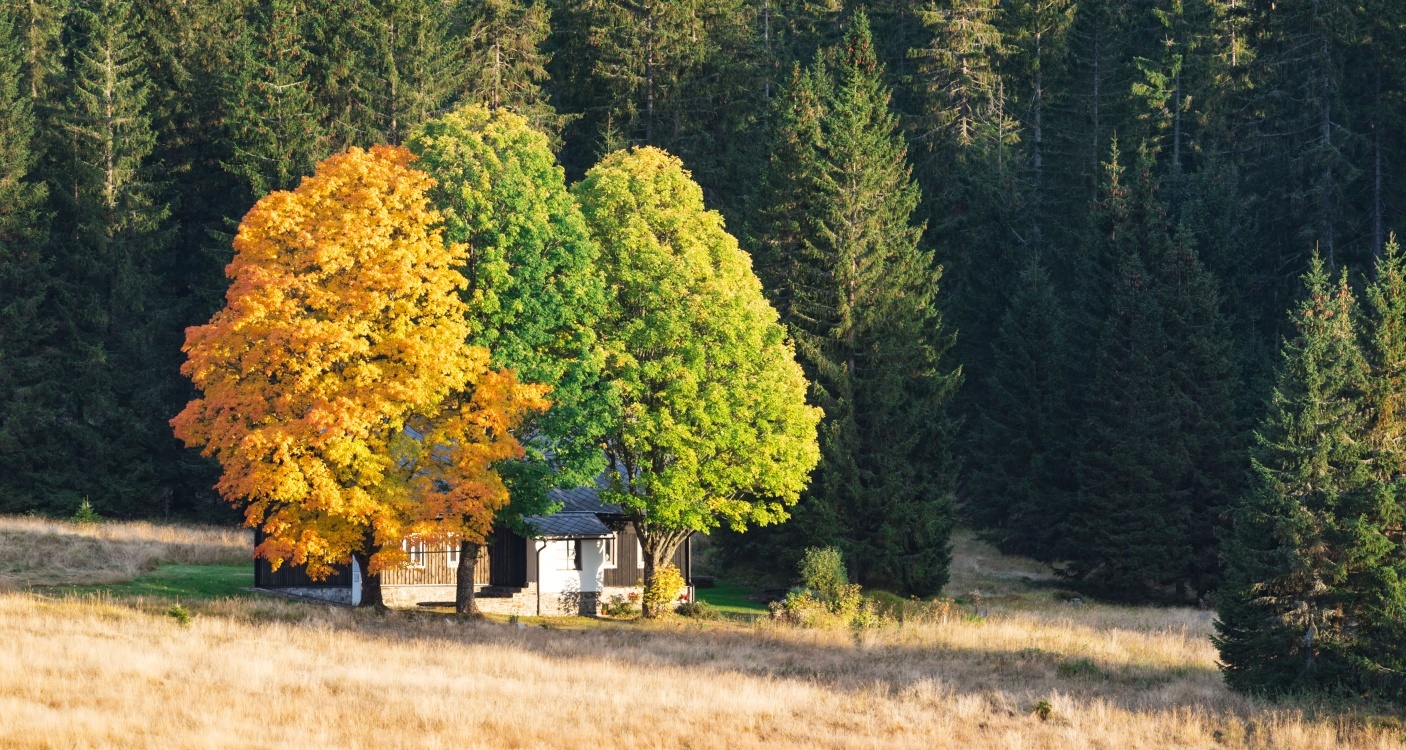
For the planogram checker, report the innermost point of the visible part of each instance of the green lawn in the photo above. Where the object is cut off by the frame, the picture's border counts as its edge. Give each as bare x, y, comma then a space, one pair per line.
180, 582
732, 600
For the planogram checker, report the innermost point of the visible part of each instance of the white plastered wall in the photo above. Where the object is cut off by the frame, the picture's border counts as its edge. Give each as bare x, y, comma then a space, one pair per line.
559, 575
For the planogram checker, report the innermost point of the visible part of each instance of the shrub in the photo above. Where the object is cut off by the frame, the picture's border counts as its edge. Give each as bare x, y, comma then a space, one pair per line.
698, 611
823, 571
668, 584
801, 607
1043, 709
621, 606
86, 513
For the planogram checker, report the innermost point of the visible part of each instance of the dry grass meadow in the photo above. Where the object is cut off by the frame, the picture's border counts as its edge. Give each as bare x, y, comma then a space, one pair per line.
112, 671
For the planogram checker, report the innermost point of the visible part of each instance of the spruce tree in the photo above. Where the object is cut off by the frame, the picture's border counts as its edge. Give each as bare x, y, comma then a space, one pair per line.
862, 311
274, 124
106, 437
1305, 549
500, 45
1159, 460
1020, 488
405, 70
24, 271
1378, 600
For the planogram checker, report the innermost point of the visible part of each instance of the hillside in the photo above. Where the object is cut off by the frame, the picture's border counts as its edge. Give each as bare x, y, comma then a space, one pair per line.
111, 667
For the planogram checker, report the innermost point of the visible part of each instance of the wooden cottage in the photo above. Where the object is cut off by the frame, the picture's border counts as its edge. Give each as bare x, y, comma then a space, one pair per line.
578, 558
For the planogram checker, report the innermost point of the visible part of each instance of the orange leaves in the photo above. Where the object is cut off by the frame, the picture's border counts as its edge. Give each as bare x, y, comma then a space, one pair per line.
343, 324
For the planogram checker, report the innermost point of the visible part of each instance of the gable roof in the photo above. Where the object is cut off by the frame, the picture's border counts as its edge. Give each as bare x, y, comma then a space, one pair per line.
580, 514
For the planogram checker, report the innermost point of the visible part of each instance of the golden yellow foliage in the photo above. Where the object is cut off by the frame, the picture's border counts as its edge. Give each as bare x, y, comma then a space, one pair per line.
342, 326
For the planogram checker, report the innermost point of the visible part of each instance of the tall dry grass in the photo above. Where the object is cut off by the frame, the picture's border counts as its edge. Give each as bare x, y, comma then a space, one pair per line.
45, 552
103, 672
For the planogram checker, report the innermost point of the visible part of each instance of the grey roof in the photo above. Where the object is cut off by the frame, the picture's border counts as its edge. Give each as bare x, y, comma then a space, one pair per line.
573, 524
583, 500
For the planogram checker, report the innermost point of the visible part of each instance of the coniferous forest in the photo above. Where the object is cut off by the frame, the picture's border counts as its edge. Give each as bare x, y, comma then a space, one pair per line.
1113, 283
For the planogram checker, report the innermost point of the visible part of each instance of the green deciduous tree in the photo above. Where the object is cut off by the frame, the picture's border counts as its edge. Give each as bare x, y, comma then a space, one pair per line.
535, 293
710, 421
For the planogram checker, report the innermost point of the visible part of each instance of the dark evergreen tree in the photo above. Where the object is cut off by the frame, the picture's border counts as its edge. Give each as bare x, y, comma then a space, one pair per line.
1021, 485
275, 128
24, 271
1377, 602
500, 45
404, 69
681, 76
861, 309
1305, 553
1159, 459
105, 435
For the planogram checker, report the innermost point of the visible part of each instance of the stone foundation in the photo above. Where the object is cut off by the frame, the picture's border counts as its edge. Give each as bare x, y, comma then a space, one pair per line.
522, 604
334, 594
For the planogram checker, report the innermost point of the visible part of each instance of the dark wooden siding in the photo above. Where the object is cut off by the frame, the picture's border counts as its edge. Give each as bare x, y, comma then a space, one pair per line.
507, 560
294, 576
629, 569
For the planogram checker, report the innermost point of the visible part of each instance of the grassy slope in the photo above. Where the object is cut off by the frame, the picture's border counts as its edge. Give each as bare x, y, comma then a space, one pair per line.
115, 670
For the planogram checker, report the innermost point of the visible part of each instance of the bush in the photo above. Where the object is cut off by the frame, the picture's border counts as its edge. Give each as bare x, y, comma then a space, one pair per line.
621, 606
698, 611
665, 590
826, 597
823, 571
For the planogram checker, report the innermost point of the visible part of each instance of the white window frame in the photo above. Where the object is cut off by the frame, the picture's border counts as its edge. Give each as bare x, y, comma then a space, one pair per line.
569, 559
608, 551
451, 553
639, 554
416, 551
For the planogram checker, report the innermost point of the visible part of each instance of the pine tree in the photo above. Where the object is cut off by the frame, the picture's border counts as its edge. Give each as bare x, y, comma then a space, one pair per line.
781, 220
1379, 533
866, 326
1302, 550
681, 76
274, 125
1020, 487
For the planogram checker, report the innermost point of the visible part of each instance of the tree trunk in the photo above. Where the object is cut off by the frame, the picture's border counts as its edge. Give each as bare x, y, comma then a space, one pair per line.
464, 605
370, 584
658, 550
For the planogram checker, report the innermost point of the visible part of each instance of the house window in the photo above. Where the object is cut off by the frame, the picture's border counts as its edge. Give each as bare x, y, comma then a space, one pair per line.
451, 553
639, 554
416, 550
608, 550
571, 557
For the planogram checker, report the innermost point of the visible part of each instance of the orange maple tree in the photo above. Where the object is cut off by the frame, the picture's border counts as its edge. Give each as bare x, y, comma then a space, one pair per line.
343, 327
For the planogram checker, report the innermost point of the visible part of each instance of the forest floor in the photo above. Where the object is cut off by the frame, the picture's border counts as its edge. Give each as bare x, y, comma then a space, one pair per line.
97, 654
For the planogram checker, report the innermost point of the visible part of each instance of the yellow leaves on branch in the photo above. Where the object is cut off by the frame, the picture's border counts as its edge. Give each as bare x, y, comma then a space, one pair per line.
342, 326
